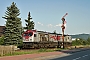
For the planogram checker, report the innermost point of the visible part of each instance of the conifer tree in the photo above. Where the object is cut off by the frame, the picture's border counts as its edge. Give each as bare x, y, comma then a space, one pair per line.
13, 27
30, 24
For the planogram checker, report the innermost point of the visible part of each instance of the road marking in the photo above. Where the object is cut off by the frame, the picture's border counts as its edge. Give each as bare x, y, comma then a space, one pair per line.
84, 55
80, 57
77, 58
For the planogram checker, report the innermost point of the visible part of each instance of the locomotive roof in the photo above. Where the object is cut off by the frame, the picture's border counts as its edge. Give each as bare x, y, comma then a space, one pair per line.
48, 32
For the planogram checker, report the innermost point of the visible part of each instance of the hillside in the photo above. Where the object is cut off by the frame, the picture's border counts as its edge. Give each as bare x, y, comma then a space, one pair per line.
83, 36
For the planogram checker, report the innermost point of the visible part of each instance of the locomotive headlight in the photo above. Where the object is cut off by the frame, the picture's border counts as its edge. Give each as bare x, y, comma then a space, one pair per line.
26, 39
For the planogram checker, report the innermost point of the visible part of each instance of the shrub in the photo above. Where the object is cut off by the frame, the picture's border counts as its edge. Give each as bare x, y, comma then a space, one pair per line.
2, 40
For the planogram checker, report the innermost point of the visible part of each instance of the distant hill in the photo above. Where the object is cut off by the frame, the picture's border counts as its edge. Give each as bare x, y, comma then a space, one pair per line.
83, 36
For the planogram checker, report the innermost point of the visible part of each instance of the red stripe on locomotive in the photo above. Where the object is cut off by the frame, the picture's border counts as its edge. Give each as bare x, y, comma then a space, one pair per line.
55, 37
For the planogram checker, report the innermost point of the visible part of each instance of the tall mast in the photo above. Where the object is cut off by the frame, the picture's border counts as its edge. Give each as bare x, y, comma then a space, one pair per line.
63, 28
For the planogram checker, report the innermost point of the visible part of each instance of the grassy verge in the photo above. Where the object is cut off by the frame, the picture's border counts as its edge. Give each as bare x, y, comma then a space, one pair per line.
21, 52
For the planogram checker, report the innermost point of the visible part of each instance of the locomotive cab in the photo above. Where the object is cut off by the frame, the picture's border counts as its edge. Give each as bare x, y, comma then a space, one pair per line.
28, 36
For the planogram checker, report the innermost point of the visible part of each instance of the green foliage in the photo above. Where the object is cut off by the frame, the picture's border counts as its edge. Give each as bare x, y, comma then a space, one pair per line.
13, 27
45, 50
42, 50
88, 40
30, 24
2, 40
79, 42
20, 45
29, 51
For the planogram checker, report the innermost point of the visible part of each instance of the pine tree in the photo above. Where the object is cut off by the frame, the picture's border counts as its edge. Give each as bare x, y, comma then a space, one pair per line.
13, 27
30, 24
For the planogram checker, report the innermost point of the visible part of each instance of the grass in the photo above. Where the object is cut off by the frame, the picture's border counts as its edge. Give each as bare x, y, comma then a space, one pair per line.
21, 52
45, 50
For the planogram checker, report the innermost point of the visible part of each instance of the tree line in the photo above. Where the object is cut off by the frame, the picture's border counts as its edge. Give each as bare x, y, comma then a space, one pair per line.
13, 27
81, 42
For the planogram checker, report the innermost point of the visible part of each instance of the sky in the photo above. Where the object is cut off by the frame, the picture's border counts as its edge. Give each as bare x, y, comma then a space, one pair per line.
47, 14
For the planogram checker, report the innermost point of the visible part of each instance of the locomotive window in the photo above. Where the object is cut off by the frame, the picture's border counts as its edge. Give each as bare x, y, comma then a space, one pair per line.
35, 35
30, 34
25, 34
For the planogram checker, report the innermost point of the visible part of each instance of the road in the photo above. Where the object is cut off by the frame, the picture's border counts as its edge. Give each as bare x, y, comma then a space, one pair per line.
81, 55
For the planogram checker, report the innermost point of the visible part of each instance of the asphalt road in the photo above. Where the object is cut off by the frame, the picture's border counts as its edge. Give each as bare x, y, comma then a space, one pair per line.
80, 55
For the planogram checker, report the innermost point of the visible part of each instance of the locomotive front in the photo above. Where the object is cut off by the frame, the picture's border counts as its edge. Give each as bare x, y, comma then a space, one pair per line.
28, 36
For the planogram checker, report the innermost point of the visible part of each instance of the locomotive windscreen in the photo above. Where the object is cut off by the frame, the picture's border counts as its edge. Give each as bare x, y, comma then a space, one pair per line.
28, 34
25, 34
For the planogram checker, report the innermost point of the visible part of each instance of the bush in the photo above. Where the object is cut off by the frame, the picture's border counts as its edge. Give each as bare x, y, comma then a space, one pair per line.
42, 50
2, 40
79, 42
20, 45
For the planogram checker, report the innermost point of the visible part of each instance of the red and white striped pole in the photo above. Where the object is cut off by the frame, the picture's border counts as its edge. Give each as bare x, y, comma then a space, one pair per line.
63, 27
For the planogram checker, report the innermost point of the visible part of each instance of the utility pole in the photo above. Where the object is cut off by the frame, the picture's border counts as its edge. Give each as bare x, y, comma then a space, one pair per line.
63, 27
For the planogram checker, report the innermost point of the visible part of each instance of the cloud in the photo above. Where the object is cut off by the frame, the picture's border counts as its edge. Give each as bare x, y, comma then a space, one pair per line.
50, 25
58, 25
40, 23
